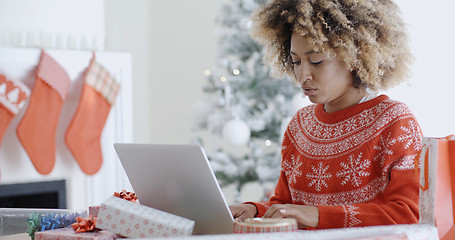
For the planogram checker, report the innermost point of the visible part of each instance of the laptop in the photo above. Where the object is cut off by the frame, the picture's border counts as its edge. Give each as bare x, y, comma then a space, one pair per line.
177, 179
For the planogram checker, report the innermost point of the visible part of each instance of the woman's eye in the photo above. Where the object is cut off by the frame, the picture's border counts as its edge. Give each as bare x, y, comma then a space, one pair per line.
295, 62
316, 62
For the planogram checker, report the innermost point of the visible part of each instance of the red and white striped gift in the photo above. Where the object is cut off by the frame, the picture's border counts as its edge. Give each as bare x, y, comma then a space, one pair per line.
263, 225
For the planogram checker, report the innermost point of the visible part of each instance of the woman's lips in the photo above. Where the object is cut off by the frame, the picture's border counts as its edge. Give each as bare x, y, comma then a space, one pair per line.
309, 91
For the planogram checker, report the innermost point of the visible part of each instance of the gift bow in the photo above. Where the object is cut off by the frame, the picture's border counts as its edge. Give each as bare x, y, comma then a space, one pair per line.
130, 196
42, 222
49, 222
33, 224
84, 224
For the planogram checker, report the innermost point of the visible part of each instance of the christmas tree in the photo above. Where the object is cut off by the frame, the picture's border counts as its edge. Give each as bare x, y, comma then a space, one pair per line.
241, 120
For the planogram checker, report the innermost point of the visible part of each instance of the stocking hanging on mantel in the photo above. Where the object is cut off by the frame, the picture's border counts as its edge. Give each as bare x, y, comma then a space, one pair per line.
38, 127
84, 132
13, 95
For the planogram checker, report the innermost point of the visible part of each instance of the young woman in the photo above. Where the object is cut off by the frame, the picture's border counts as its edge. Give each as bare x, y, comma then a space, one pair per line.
348, 160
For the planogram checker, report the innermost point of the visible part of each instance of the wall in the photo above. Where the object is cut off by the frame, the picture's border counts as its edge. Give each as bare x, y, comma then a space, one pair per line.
128, 30
430, 89
172, 43
64, 24
181, 49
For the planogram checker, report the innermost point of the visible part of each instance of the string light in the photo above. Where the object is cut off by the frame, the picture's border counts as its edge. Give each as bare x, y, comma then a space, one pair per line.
223, 79
207, 72
236, 72
268, 143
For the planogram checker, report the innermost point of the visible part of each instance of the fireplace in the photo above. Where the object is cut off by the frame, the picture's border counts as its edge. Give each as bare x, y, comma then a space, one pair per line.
50, 194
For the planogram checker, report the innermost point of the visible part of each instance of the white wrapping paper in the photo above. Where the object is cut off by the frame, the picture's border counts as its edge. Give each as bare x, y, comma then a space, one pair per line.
138, 221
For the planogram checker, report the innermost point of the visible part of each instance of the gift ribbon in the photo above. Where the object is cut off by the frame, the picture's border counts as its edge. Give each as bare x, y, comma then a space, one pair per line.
417, 164
84, 224
130, 196
425, 170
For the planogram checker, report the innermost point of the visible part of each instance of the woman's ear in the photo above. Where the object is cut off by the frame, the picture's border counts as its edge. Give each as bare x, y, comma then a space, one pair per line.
357, 82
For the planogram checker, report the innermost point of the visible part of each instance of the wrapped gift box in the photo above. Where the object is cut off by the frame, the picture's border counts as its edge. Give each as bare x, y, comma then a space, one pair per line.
137, 221
70, 234
93, 211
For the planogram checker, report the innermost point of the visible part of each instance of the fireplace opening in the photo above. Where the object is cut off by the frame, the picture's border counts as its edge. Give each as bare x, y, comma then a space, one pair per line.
33, 195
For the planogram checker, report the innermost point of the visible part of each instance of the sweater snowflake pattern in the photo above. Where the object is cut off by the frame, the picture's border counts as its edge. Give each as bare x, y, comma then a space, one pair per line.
357, 165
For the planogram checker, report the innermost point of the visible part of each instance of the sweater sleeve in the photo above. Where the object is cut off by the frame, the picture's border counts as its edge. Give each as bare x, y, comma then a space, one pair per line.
400, 206
399, 201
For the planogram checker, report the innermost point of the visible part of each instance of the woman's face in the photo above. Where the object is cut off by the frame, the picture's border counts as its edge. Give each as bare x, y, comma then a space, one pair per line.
324, 79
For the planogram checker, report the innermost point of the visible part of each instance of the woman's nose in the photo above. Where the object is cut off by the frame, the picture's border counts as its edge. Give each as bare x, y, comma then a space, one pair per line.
304, 74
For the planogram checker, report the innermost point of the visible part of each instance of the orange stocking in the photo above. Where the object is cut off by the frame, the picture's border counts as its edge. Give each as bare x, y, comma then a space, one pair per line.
37, 129
13, 95
84, 132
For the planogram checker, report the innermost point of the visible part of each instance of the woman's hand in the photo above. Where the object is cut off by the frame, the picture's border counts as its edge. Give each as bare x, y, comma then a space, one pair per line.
240, 212
306, 216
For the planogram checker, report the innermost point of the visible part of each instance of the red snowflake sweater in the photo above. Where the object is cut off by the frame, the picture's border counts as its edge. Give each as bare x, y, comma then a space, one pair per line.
356, 165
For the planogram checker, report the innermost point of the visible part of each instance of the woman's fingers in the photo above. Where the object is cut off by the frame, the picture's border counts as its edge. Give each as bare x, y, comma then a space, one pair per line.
305, 215
290, 213
274, 211
240, 212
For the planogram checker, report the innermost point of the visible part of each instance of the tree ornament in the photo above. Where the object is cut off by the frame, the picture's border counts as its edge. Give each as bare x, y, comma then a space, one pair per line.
236, 132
